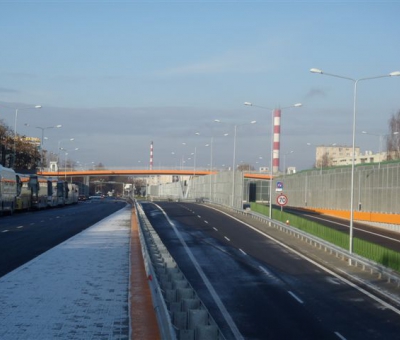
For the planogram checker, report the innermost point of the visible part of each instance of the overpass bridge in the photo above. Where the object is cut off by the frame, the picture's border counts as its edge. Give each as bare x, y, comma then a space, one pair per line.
135, 172
377, 189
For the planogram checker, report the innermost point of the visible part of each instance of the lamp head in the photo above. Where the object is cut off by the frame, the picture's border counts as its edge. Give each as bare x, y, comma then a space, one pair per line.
298, 105
248, 104
315, 70
38, 106
394, 74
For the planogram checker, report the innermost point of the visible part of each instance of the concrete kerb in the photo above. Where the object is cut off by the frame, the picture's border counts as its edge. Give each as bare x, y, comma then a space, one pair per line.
143, 306
180, 312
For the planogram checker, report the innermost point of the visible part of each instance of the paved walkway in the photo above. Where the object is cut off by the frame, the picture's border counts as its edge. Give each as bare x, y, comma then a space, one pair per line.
77, 290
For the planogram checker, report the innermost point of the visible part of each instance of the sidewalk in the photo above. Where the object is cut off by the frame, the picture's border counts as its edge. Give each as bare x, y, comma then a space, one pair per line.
77, 290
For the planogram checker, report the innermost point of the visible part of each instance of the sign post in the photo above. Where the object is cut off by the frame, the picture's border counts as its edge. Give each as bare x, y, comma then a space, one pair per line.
282, 200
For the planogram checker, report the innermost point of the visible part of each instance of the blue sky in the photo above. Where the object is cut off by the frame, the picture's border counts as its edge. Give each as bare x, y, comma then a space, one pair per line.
119, 74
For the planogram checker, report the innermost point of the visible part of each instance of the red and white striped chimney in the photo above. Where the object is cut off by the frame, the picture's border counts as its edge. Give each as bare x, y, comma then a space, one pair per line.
277, 144
151, 155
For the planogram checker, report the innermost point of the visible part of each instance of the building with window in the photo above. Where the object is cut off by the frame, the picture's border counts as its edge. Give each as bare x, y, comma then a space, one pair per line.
338, 155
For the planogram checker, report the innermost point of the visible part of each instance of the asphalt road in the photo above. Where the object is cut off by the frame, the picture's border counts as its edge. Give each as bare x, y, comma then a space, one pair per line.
23, 236
268, 291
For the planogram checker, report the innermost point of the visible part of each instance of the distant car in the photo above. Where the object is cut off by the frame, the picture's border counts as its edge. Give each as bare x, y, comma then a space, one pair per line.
96, 197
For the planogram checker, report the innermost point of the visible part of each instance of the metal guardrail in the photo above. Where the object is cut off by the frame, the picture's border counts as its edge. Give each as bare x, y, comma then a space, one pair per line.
181, 313
353, 259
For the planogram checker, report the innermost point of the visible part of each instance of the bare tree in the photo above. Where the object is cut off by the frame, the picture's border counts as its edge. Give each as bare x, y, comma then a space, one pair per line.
324, 162
393, 137
27, 156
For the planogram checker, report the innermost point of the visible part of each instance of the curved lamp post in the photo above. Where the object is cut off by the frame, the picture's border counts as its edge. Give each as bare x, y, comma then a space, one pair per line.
234, 155
355, 82
42, 139
380, 142
15, 126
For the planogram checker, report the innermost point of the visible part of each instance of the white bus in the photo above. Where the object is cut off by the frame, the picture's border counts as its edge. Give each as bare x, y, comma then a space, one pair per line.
8, 190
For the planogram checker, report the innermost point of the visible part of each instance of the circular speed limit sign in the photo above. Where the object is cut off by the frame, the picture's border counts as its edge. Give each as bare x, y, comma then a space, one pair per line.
282, 200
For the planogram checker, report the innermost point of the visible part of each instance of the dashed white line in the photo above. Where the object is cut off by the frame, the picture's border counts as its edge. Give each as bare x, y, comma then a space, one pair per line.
198, 216
206, 222
243, 252
21, 226
226, 238
5, 231
340, 336
215, 229
295, 296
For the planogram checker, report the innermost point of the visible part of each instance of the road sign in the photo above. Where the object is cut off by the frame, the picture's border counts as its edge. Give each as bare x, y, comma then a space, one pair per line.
279, 186
282, 200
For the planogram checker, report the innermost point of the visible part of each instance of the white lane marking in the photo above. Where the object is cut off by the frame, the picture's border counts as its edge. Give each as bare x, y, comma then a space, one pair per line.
326, 270
208, 284
296, 297
269, 274
243, 252
206, 222
364, 231
21, 226
226, 238
198, 216
5, 231
215, 229
340, 336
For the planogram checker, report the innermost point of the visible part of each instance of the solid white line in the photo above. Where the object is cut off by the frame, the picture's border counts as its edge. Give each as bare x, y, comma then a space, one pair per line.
296, 297
226, 238
340, 336
351, 284
243, 252
206, 281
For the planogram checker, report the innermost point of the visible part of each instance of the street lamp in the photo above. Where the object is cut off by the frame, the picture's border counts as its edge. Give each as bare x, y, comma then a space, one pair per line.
284, 161
15, 126
273, 141
355, 82
65, 165
234, 156
211, 145
380, 143
59, 148
42, 139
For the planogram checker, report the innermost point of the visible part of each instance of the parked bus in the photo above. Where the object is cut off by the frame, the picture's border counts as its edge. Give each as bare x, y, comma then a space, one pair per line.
8, 190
